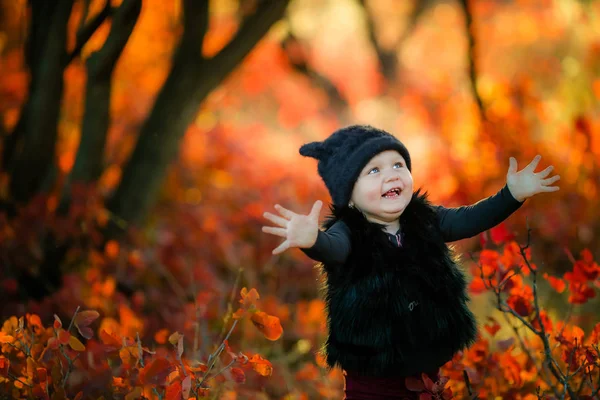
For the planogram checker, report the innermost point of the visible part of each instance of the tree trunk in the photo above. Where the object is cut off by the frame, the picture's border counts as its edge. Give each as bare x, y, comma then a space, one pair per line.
191, 79
29, 150
96, 118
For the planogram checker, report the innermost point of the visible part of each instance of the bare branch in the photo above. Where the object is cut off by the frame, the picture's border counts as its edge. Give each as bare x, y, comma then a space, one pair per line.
124, 18
85, 32
472, 56
300, 64
388, 61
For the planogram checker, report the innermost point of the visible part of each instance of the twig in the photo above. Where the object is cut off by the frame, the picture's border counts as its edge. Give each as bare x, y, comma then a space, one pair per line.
73, 319
214, 356
552, 364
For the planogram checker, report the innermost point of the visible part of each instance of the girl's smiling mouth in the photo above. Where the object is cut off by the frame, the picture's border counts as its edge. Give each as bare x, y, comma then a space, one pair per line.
392, 193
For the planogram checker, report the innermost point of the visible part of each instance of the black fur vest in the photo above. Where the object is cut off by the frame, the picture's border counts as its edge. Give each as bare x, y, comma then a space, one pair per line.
395, 311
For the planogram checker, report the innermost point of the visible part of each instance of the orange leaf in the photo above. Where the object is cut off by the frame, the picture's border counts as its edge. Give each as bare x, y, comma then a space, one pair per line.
111, 249
477, 286
239, 314
249, 298
76, 344
268, 325
110, 341
161, 336
156, 372
557, 284
261, 365
6, 338
126, 355
4, 365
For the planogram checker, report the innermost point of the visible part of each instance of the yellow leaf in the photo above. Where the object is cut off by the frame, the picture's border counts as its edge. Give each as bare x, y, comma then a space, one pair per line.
174, 338
76, 344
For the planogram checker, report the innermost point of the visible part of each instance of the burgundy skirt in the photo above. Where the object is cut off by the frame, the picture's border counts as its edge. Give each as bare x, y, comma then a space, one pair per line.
373, 388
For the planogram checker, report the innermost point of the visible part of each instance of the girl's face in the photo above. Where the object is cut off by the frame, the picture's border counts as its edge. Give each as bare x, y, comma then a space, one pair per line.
383, 189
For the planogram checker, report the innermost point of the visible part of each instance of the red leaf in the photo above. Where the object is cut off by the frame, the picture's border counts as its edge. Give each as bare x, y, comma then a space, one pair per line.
414, 384
63, 336
83, 319
493, 328
500, 234
42, 374
428, 382
156, 372
425, 396
57, 322
174, 391
238, 375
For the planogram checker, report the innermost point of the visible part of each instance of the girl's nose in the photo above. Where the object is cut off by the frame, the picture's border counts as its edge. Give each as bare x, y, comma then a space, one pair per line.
393, 176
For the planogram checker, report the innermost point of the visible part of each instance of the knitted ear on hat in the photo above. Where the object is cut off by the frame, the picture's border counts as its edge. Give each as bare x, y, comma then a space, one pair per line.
314, 149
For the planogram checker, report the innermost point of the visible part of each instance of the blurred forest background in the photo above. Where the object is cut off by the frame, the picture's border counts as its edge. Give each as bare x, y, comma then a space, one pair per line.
143, 140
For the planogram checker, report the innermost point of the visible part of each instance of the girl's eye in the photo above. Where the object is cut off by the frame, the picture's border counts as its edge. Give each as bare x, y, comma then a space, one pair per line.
374, 169
398, 164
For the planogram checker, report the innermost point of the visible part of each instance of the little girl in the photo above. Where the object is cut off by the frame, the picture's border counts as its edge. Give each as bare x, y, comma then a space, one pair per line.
395, 296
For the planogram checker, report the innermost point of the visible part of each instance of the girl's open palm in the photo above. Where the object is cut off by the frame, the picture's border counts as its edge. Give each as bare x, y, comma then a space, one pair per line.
526, 183
298, 230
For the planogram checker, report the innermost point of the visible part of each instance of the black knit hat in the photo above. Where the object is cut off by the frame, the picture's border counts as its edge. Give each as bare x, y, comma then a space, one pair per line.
346, 152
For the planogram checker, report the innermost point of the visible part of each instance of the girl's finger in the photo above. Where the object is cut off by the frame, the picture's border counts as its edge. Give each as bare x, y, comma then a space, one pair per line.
276, 219
284, 211
534, 163
550, 181
550, 188
275, 231
282, 247
545, 172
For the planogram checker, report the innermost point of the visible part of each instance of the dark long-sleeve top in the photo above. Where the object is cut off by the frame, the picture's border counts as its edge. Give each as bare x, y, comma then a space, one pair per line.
333, 246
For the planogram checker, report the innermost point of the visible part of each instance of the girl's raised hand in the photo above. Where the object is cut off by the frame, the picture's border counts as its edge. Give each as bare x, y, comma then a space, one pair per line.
298, 230
526, 183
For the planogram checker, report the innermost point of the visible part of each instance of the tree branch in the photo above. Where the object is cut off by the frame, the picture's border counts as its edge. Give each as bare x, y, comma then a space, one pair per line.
191, 79
251, 31
101, 63
472, 56
388, 60
85, 32
299, 63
